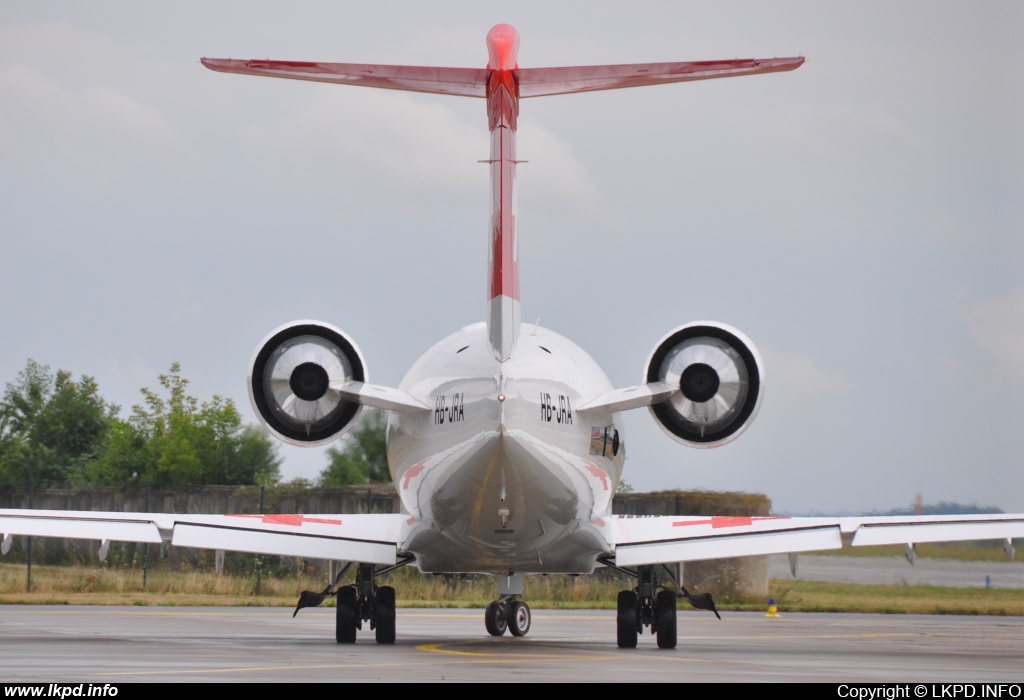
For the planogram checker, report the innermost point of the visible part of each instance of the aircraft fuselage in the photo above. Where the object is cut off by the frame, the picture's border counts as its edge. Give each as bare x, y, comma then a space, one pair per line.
504, 474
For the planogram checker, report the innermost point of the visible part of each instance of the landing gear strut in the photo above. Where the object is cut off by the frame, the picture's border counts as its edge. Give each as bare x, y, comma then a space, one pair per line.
508, 612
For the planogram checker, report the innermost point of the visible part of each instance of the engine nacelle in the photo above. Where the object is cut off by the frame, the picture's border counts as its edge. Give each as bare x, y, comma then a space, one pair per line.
720, 379
293, 380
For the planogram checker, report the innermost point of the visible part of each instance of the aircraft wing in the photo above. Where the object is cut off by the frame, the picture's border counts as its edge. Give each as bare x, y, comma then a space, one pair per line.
466, 82
665, 538
369, 538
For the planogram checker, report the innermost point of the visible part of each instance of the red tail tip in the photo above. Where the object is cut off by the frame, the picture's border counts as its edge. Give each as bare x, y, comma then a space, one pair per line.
502, 47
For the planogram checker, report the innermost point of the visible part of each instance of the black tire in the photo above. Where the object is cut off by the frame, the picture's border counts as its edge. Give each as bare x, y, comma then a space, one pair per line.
384, 611
665, 619
625, 621
519, 619
346, 619
494, 618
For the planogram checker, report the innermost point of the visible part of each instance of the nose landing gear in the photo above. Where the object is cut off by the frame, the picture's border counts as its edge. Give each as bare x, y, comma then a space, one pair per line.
508, 612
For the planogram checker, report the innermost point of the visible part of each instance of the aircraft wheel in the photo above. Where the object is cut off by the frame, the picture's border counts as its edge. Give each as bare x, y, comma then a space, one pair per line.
625, 621
384, 610
494, 618
346, 619
519, 619
665, 619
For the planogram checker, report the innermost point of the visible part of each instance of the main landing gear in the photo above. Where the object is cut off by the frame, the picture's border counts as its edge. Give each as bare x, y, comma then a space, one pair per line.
508, 612
647, 606
364, 601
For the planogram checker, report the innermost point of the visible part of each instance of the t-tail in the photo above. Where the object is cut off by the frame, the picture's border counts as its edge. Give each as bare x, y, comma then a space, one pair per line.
503, 83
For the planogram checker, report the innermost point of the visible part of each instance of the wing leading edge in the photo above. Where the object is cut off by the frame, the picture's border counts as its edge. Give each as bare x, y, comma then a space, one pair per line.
641, 540
369, 538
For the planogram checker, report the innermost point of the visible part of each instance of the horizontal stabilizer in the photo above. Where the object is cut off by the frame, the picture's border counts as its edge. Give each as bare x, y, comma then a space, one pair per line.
466, 82
532, 82
630, 397
538, 82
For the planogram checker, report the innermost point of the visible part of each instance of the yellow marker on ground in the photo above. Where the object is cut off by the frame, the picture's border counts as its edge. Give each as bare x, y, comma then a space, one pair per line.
773, 608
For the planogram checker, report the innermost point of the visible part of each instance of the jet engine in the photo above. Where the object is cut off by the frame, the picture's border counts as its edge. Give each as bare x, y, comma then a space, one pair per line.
294, 381
720, 378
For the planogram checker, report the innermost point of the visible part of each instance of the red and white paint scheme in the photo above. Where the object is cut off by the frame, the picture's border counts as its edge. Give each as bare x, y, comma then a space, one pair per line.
503, 441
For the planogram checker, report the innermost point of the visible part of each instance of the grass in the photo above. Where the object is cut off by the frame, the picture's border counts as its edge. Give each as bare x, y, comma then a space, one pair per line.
961, 551
76, 585
818, 596
104, 585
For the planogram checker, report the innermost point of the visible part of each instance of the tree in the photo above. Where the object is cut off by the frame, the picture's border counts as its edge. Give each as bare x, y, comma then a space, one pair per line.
58, 432
362, 455
52, 428
180, 440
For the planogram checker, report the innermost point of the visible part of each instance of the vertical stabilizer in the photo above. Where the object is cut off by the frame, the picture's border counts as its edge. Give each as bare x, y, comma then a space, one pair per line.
502, 112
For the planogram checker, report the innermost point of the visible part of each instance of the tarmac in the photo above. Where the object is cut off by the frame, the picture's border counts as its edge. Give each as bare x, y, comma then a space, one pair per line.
98, 645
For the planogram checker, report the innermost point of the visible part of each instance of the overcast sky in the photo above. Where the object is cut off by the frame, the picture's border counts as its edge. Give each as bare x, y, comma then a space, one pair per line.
860, 219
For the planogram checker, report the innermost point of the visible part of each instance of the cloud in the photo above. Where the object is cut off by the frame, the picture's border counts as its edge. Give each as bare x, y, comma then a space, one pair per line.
127, 115
374, 138
850, 135
98, 129
797, 377
997, 324
67, 100
131, 373
557, 181
381, 140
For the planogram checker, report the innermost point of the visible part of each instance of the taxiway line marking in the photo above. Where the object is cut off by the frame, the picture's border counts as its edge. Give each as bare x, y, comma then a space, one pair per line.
249, 669
435, 649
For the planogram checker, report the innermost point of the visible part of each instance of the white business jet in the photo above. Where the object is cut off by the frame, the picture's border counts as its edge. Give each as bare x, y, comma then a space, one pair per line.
503, 440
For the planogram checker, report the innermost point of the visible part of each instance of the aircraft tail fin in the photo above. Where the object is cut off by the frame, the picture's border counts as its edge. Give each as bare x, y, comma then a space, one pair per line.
503, 83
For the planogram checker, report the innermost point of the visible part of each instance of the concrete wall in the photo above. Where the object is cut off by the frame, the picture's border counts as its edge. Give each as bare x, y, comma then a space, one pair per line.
376, 498
726, 579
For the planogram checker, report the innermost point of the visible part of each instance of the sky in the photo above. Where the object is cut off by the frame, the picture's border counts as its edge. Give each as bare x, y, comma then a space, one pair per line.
860, 218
